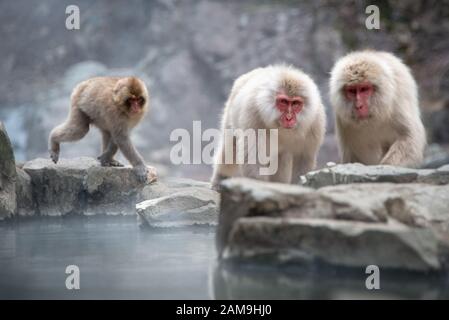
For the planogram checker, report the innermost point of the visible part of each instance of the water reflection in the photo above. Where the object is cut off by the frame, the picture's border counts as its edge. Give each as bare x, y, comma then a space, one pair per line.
247, 281
118, 260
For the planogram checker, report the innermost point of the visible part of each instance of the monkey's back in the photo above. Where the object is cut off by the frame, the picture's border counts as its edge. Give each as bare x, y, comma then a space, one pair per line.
94, 97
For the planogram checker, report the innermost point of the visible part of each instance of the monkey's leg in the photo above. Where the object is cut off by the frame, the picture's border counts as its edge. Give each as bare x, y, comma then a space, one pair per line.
109, 150
224, 168
75, 128
123, 141
106, 138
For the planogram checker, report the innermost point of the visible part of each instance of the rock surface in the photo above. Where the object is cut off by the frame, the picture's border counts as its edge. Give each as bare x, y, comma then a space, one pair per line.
24, 194
168, 186
341, 243
359, 173
7, 176
82, 186
345, 225
180, 206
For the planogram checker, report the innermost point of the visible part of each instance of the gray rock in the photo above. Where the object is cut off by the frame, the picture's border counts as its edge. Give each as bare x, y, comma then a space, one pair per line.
168, 186
24, 194
242, 197
339, 243
183, 207
383, 209
82, 186
437, 176
7, 176
359, 173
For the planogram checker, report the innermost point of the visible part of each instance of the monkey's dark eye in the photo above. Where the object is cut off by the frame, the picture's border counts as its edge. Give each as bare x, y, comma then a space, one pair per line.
283, 101
141, 100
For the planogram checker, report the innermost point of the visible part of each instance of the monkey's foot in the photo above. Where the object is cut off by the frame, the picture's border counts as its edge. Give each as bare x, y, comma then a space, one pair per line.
110, 163
54, 156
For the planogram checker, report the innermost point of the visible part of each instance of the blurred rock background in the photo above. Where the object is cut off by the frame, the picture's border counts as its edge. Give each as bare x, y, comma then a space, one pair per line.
190, 51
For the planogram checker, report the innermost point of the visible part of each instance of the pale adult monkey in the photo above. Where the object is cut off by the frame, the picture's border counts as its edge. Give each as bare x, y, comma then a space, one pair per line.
377, 115
275, 97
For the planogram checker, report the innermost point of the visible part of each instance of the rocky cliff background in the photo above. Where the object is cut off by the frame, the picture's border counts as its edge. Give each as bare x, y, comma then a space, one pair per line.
190, 51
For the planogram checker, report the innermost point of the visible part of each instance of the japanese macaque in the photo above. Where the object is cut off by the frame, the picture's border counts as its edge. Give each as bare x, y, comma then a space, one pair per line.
278, 99
115, 106
375, 99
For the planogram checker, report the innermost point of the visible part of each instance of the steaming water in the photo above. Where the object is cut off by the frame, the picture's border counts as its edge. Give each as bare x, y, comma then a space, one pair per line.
118, 260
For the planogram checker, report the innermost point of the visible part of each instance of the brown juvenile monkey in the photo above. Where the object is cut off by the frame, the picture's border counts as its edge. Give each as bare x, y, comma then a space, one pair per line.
377, 113
114, 105
275, 97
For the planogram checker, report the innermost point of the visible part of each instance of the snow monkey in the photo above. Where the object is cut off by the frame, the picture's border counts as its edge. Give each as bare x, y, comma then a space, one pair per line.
276, 98
114, 105
376, 110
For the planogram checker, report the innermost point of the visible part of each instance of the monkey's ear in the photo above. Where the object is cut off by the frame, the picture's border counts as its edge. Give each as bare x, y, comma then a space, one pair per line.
117, 90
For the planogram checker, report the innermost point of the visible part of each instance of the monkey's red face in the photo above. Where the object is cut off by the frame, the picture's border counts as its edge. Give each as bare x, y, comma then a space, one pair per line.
289, 108
135, 104
359, 94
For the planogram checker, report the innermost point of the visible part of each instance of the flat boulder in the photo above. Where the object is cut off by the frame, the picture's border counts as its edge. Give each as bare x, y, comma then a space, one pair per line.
397, 226
338, 243
82, 186
183, 206
359, 173
168, 186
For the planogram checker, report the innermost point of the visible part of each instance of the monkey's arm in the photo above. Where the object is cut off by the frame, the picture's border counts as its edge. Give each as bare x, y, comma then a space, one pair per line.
408, 149
404, 153
284, 168
346, 154
302, 164
225, 161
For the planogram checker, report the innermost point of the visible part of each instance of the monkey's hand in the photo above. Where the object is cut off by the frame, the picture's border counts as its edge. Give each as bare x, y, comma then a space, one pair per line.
142, 173
54, 155
216, 182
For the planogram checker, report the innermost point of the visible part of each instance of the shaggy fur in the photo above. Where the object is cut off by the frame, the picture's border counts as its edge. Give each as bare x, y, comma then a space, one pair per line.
251, 105
394, 133
102, 102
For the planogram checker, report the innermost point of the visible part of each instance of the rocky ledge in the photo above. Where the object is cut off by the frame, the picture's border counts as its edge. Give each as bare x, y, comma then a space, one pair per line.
391, 225
358, 173
76, 186
80, 186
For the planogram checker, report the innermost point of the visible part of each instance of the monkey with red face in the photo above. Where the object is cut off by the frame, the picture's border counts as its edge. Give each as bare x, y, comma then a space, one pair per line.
115, 106
276, 97
375, 99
